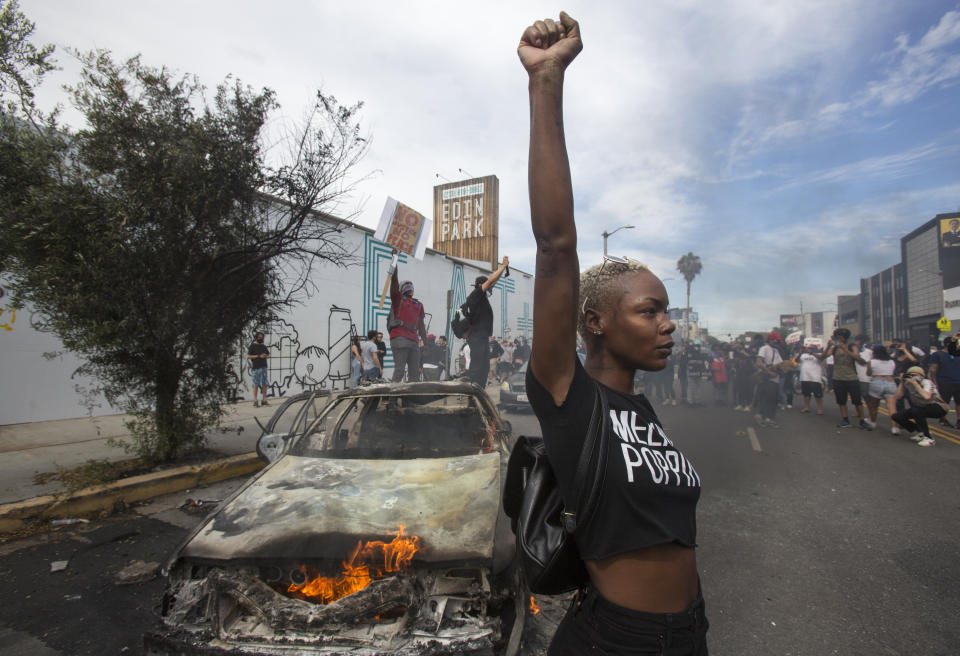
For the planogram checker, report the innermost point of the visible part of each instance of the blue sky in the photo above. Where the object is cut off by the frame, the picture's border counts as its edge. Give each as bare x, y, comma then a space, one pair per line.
789, 144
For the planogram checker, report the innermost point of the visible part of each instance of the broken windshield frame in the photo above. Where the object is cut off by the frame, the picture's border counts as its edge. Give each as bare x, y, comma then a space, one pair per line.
399, 426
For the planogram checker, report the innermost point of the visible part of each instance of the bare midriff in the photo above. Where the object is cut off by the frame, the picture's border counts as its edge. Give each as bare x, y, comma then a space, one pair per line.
657, 579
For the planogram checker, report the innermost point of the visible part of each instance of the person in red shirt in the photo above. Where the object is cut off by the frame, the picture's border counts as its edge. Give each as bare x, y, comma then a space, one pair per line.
407, 331
719, 370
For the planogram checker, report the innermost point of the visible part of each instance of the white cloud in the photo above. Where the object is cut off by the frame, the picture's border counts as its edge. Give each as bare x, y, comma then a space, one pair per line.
914, 69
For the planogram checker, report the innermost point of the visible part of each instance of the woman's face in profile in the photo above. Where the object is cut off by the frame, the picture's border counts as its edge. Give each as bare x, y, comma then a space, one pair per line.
637, 329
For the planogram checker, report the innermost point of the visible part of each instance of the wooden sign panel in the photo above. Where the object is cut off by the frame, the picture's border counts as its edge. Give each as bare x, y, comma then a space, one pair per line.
466, 219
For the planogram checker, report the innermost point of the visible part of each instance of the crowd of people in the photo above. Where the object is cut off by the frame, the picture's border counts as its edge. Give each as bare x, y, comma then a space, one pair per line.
766, 375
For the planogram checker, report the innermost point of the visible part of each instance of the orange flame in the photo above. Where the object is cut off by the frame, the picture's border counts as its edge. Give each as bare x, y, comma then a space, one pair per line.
534, 609
366, 562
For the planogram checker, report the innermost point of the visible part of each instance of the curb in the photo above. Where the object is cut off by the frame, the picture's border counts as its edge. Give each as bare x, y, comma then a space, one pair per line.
99, 498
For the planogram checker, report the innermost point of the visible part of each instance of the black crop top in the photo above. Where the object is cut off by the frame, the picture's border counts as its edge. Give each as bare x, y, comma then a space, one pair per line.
650, 491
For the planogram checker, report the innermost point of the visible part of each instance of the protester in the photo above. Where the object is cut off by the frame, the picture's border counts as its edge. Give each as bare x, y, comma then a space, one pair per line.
257, 354
945, 373
811, 376
718, 369
431, 359
768, 386
845, 381
904, 359
444, 357
639, 549
664, 383
372, 367
381, 348
925, 403
465, 357
683, 372
880, 368
356, 361
504, 361
478, 311
866, 353
407, 331
742, 378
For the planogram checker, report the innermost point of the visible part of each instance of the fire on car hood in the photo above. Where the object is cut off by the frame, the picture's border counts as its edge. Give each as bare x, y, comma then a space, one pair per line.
304, 508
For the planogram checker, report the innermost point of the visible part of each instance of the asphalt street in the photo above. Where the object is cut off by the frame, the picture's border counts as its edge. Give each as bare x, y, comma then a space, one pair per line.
813, 540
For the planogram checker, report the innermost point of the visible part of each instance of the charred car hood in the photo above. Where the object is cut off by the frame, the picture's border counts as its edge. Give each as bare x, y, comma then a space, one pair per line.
305, 508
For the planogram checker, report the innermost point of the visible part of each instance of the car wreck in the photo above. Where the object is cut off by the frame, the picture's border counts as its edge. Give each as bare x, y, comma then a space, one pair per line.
376, 528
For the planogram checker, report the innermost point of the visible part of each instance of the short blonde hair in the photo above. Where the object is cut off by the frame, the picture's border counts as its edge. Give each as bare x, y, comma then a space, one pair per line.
600, 288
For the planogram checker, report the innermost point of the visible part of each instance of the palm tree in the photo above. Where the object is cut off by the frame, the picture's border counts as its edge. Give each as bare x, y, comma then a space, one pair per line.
689, 266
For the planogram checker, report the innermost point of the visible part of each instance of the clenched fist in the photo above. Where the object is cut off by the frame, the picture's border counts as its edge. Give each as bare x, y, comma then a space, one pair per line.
549, 43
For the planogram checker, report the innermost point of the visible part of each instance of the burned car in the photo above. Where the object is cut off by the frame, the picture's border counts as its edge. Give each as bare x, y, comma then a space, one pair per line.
376, 529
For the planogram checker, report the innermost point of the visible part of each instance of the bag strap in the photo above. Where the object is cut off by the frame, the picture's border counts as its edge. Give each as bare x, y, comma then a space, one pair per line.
595, 432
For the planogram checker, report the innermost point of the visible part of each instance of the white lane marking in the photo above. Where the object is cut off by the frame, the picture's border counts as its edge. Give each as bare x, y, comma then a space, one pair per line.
753, 439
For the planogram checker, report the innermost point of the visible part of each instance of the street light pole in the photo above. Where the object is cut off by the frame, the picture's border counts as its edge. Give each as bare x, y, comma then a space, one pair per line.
607, 234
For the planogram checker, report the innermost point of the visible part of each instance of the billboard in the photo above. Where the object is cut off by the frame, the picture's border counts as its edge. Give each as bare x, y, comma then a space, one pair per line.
791, 320
466, 219
950, 249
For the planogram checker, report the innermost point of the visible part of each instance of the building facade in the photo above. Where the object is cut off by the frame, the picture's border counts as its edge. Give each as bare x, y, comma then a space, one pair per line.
931, 263
309, 346
883, 305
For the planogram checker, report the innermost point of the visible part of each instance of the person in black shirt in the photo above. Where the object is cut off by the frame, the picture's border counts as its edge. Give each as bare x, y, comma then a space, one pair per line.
478, 310
639, 544
257, 354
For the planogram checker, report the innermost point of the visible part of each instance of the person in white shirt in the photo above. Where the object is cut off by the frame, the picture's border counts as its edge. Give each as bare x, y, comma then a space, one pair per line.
882, 386
862, 376
811, 378
768, 391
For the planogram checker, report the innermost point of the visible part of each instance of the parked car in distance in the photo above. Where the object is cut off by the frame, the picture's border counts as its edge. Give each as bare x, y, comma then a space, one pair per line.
513, 390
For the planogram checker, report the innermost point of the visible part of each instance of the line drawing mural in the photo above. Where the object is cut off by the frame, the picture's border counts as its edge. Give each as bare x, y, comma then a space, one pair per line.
340, 329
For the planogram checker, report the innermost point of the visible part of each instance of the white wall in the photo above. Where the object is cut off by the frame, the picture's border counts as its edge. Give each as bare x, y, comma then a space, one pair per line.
308, 346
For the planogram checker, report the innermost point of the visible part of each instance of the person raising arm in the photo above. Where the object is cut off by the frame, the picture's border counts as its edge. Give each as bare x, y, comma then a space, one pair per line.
639, 546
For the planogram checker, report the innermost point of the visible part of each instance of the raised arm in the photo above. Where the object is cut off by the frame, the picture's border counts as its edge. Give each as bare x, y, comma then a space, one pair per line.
546, 49
495, 276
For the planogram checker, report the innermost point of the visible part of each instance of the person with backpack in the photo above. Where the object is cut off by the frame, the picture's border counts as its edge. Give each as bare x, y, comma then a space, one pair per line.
407, 331
638, 546
478, 311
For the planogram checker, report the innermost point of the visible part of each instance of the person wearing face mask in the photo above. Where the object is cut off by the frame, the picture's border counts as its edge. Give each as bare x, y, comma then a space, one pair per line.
257, 354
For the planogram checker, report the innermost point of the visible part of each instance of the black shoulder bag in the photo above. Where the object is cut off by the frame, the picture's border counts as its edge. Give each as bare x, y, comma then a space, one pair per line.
544, 528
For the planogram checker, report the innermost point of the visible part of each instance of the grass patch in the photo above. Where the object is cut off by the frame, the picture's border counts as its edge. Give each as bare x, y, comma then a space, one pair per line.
93, 472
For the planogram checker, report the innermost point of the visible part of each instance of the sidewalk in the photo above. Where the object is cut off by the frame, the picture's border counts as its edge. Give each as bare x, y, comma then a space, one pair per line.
44, 446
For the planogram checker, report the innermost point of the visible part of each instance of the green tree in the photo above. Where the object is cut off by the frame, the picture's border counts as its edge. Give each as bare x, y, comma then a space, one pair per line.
160, 233
689, 267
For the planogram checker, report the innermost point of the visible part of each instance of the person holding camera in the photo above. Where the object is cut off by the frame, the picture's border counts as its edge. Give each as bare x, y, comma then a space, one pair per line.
925, 403
845, 380
945, 372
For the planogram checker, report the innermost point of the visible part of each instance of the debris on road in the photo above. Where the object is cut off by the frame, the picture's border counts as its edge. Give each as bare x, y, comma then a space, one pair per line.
137, 571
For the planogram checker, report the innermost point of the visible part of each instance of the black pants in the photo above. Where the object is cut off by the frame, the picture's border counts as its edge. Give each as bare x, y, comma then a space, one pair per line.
768, 394
915, 419
600, 627
479, 361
